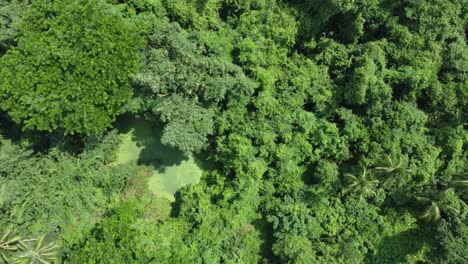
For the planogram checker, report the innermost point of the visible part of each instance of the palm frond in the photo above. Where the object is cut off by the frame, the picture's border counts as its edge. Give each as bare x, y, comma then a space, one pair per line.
350, 176
362, 186
35, 251
8, 244
431, 213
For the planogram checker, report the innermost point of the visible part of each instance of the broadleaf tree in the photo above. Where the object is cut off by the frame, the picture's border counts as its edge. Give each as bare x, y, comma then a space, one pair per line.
70, 68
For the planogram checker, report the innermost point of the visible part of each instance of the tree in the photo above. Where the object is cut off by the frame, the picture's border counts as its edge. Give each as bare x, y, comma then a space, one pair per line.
452, 237
58, 192
187, 124
363, 185
14, 249
183, 84
432, 211
460, 183
35, 251
391, 168
431, 201
8, 244
436, 195
71, 66
131, 232
389, 165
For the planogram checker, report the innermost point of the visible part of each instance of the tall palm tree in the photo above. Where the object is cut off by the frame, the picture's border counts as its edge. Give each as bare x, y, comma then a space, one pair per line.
434, 196
390, 168
389, 165
436, 192
8, 244
431, 203
460, 183
362, 185
32, 251
14, 249
431, 212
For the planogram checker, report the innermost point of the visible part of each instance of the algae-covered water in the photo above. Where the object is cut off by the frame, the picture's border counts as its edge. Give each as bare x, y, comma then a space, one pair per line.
141, 144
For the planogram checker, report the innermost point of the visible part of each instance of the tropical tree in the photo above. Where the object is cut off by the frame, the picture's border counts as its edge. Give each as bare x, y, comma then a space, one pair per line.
389, 165
32, 251
363, 185
14, 249
8, 244
460, 183
431, 203
187, 123
12, 11
71, 67
182, 84
436, 194
393, 171
432, 211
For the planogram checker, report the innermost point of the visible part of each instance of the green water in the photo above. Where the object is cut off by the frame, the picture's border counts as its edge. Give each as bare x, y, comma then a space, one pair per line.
141, 144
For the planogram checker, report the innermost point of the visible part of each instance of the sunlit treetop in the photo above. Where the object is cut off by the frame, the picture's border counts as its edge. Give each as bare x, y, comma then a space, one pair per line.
71, 67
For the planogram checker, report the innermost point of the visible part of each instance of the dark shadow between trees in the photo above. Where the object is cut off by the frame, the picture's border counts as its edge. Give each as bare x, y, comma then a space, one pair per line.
266, 232
40, 141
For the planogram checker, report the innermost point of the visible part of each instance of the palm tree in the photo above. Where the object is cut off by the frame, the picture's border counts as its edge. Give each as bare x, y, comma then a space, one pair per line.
460, 183
390, 168
14, 249
32, 251
363, 185
432, 201
437, 192
389, 165
431, 213
8, 244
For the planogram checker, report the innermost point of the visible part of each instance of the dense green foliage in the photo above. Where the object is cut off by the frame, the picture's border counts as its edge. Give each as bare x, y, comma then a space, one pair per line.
57, 192
183, 83
328, 131
70, 68
11, 13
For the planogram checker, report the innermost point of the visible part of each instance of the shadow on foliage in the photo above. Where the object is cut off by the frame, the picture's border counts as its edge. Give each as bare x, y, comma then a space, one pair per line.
175, 209
205, 160
266, 231
39, 141
395, 249
314, 17
9, 129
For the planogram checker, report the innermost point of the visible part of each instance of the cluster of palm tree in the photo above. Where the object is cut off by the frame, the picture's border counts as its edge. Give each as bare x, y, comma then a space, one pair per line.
14, 249
391, 173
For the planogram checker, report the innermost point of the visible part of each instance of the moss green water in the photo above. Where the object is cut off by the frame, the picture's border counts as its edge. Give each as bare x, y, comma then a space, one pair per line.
141, 145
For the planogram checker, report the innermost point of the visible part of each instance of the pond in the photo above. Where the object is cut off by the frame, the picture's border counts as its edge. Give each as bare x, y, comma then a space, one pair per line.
141, 144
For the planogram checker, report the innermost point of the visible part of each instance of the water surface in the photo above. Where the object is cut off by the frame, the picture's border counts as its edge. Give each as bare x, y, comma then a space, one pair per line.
141, 144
